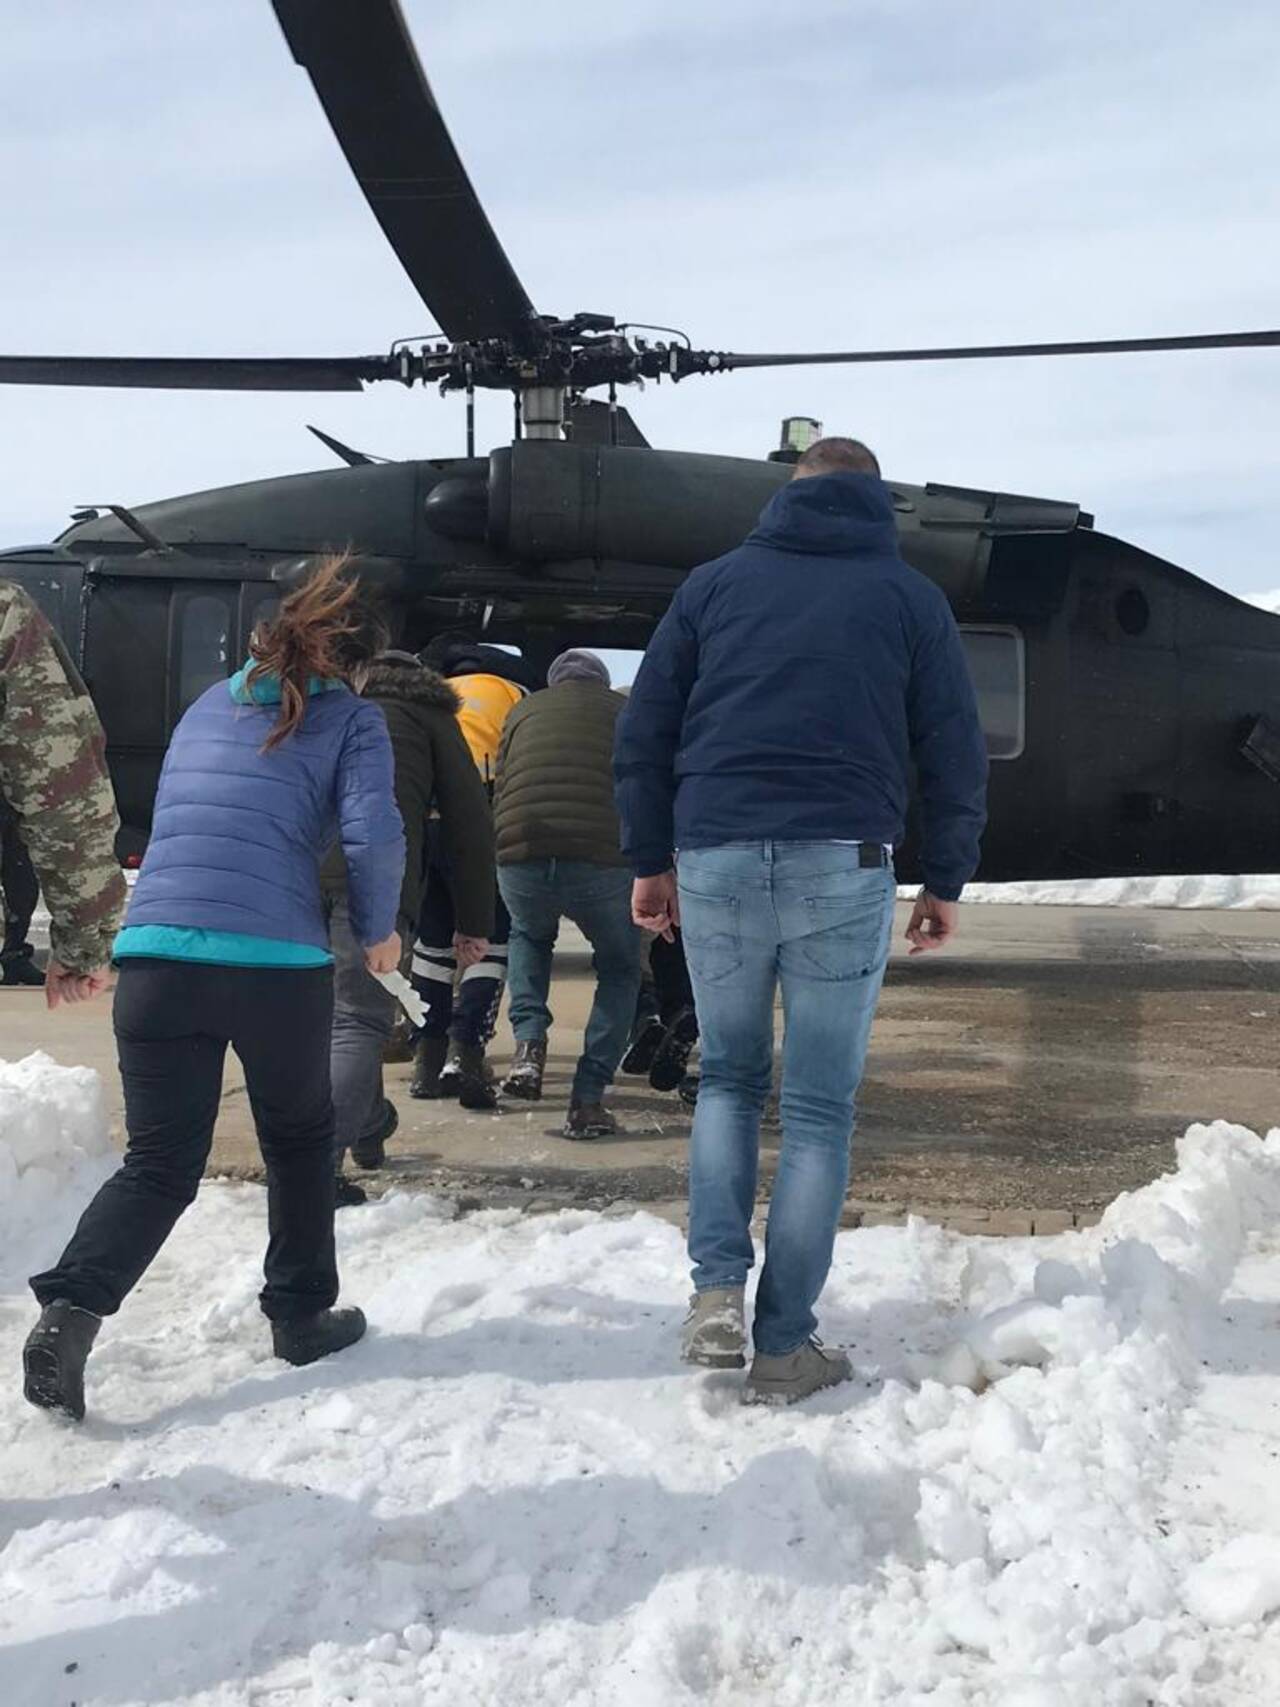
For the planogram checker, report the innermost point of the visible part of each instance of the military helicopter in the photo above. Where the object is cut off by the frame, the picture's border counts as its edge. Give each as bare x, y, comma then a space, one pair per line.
1132, 710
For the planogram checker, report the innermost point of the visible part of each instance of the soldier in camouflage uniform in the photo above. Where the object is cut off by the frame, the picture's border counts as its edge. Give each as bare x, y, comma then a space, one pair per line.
54, 776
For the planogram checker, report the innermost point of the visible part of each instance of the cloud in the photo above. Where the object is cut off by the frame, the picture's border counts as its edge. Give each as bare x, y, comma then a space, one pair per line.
852, 174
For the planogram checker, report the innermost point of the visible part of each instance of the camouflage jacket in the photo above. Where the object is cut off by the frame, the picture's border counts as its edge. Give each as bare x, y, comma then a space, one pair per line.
54, 775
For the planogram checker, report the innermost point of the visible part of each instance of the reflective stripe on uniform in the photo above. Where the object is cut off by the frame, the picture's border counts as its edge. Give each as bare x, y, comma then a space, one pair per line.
433, 969
486, 969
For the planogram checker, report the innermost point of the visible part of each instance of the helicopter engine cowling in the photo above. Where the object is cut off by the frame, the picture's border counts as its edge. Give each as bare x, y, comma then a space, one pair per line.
550, 502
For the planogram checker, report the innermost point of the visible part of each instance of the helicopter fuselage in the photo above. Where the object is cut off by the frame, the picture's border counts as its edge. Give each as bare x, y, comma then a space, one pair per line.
1132, 710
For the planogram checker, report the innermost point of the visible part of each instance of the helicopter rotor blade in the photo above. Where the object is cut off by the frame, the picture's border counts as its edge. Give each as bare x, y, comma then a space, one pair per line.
200, 373
361, 60
995, 352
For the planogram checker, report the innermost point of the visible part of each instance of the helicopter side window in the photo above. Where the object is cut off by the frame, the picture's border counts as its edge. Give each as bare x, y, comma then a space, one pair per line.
204, 646
258, 605
997, 663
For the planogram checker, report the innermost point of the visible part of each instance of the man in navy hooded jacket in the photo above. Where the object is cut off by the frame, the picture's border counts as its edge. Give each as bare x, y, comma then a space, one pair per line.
783, 703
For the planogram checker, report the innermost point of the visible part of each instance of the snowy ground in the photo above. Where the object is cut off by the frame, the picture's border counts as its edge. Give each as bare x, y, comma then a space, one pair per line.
1054, 1483
1239, 892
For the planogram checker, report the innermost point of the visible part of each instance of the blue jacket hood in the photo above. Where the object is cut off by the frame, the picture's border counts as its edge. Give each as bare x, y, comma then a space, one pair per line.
831, 515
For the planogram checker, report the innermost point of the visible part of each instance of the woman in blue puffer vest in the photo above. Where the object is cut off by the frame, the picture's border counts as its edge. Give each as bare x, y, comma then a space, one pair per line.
225, 944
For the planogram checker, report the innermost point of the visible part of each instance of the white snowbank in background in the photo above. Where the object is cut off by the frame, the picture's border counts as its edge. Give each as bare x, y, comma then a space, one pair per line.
1053, 1483
53, 1142
1240, 893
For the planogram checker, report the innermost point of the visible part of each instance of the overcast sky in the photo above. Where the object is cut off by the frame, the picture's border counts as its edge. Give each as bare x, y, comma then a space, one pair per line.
842, 173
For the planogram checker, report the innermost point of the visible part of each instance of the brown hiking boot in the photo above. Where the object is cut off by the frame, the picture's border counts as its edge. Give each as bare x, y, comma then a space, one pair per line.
589, 1120
524, 1077
797, 1374
714, 1334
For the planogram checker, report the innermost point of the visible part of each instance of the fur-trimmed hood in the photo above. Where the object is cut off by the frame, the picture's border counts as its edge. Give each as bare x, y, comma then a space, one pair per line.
399, 675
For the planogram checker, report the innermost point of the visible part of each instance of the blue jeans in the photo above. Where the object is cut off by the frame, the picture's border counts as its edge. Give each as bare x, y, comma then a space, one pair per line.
805, 915
538, 894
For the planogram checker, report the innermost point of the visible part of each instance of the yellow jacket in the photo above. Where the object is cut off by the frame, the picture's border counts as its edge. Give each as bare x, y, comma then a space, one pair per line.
486, 704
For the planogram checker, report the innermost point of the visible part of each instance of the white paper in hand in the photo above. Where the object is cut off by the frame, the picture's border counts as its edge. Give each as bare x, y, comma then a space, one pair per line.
397, 985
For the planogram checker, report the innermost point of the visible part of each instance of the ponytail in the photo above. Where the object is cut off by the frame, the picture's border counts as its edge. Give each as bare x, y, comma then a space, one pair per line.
327, 627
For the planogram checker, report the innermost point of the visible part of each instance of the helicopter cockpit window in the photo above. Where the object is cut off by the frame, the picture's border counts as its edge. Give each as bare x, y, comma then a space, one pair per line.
204, 646
997, 664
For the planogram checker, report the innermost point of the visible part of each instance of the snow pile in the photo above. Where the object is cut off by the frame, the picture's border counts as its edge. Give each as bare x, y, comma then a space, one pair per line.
1239, 893
53, 1144
511, 1493
1265, 601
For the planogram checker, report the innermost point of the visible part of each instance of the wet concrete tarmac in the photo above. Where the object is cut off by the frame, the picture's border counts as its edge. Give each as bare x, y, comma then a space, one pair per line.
1024, 1078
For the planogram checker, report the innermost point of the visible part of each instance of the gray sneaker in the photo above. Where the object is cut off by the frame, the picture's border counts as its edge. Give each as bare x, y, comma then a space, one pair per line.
783, 1380
714, 1334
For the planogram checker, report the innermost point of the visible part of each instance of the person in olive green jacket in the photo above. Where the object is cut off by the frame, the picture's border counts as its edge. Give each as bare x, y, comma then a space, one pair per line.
433, 775
556, 829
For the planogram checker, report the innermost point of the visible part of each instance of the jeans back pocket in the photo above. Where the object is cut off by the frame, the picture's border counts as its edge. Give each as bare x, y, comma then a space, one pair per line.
712, 935
849, 934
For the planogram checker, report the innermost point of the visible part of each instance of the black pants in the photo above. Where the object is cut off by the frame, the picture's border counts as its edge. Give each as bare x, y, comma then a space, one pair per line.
464, 1009
18, 883
666, 991
173, 1023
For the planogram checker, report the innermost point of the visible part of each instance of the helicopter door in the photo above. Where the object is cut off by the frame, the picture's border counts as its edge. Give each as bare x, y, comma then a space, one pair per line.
151, 646
126, 656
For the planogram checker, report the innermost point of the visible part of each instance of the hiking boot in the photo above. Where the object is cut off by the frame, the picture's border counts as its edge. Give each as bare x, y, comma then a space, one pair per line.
524, 1076
714, 1334
306, 1339
470, 1080
672, 1057
589, 1120
18, 970
645, 1038
687, 1090
54, 1357
783, 1380
372, 1152
428, 1059
347, 1194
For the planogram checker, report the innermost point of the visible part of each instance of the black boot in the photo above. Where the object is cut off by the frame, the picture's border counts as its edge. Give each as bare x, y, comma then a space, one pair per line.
472, 1080
54, 1357
524, 1076
18, 968
589, 1120
347, 1194
372, 1152
642, 1045
671, 1060
306, 1339
428, 1059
